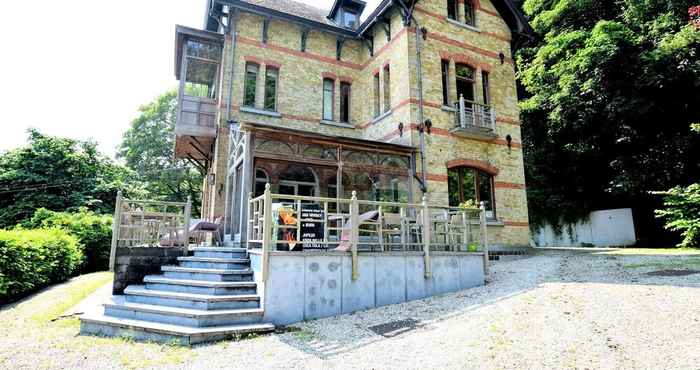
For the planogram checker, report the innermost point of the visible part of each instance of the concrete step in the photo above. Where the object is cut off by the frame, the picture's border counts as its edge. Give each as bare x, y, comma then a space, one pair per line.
158, 282
220, 252
191, 273
139, 294
214, 263
183, 316
164, 333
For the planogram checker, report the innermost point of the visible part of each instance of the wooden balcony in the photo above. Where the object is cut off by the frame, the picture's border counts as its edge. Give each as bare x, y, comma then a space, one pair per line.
474, 120
197, 66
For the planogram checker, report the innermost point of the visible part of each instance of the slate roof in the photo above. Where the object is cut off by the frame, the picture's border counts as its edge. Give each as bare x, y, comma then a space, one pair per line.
295, 8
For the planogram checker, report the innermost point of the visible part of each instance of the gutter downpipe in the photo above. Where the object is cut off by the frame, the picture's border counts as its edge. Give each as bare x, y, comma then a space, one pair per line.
421, 131
232, 25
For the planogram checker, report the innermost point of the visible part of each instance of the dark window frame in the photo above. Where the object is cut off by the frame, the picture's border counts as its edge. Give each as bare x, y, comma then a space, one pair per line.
376, 98
387, 88
485, 88
476, 172
469, 13
331, 99
247, 81
445, 69
345, 94
452, 9
266, 95
471, 81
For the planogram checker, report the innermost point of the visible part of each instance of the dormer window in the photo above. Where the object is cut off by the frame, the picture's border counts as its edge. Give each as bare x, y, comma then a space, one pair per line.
346, 13
349, 19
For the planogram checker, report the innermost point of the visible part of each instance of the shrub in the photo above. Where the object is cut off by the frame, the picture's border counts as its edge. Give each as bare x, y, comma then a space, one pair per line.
93, 231
682, 213
30, 259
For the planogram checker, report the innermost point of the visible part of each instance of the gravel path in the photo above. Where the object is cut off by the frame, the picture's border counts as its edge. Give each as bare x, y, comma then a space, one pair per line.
558, 311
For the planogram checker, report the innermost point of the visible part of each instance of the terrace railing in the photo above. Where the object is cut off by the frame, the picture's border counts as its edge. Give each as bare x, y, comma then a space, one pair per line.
282, 222
472, 114
149, 223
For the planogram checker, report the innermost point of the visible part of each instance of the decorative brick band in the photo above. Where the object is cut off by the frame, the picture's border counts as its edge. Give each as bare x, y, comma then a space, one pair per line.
516, 223
507, 120
328, 75
347, 79
252, 59
475, 163
443, 18
462, 45
508, 185
301, 54
272, 63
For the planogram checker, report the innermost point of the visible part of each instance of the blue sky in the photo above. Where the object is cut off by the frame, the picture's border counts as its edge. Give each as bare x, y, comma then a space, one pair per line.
81, 68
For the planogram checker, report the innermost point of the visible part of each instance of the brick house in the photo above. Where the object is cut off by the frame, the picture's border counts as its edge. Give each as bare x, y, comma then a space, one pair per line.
353, 137
269, 78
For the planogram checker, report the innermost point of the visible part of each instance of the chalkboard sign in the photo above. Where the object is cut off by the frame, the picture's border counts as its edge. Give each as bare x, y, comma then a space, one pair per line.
312, 226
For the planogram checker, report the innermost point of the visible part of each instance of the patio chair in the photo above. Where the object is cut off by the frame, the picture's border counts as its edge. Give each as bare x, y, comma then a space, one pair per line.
393, 226
202, 228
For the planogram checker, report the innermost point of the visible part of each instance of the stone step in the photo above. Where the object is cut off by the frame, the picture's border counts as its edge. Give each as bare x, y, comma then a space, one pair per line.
139, 294
220, 252
183, 316
158, 282
164, 333
191, 273
214, 263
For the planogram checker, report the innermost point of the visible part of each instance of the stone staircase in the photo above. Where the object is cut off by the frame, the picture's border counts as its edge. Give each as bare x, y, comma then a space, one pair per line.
209, 296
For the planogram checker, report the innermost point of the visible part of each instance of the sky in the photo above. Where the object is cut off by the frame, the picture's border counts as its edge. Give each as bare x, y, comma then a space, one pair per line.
81, 68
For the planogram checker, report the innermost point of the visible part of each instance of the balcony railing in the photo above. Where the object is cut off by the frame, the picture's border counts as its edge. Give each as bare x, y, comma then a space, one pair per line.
470, 115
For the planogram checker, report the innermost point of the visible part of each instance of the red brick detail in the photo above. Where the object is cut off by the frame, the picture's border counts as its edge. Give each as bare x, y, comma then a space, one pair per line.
298, 53
443, 17
386, 63
507, 120
466, 59
375, 71
328, 75
300, 118
462, 45
508, 185
272, 63
347, 79
445, 55
437, 177
516, 223
475, 163
395, 38
252, 59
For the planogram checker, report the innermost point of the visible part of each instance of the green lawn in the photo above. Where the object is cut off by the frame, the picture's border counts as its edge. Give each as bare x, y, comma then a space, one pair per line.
37, 335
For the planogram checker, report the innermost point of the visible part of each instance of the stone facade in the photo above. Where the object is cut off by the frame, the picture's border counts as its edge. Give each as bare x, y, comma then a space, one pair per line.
485, 47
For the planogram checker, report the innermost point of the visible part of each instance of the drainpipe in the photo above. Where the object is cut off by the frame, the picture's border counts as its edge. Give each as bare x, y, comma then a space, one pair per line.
421, 131
232, 25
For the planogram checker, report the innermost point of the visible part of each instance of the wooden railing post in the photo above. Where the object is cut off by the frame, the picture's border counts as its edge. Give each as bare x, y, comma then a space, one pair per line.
115, 230
267, 231
426, 237
354, 233
249, 222
186, 221
465, 231
484, 237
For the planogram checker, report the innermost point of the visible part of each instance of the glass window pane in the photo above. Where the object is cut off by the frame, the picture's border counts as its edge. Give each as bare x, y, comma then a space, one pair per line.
485, 84
328, 87
468, 185
445, 82
200, 78
452, 9
271, 75
486, 190
251, 77
350, 19
344, 102
469, 13
376, 95
387, 89
203, 50
453, 187
464, 81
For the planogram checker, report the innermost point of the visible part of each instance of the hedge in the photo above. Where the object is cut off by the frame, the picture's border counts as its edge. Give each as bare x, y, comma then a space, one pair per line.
31, 259
93, 231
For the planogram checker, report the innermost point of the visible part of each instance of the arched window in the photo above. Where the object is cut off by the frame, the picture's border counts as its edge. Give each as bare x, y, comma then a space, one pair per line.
471, 184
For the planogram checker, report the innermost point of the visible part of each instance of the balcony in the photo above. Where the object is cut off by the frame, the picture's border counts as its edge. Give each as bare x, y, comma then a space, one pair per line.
474, 120
197, 65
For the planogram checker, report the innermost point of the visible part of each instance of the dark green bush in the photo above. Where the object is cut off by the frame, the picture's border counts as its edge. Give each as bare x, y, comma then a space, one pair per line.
93, 231
30, 259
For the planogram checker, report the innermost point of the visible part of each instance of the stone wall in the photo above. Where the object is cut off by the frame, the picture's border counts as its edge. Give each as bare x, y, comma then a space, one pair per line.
133, 263
299, 97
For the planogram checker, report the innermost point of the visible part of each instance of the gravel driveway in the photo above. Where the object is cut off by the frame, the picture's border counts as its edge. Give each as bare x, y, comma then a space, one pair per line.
560, 310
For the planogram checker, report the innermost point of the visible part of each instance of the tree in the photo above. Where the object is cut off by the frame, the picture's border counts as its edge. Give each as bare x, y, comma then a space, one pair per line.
59, 174
147, 148
612, 88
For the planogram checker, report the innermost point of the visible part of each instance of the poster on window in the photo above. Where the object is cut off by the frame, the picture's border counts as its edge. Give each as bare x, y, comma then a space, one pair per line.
312, 227
285, 228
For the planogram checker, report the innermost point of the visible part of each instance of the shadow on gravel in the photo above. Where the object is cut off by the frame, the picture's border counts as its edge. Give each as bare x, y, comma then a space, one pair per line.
325, 338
